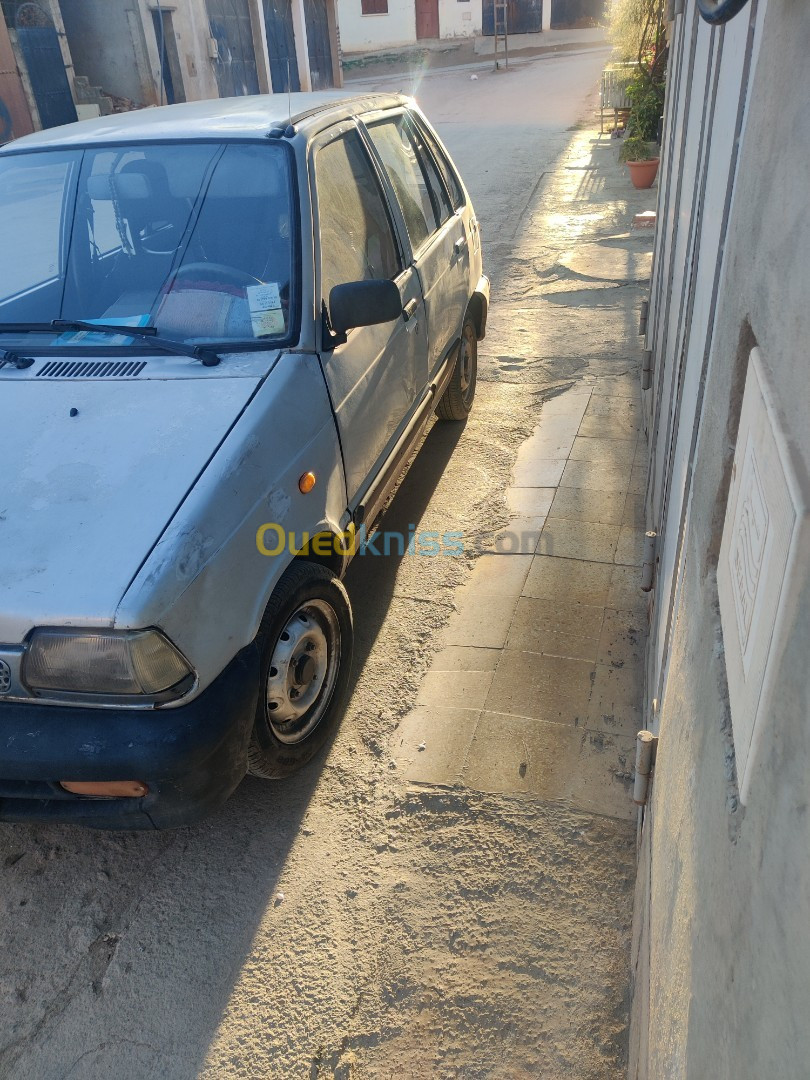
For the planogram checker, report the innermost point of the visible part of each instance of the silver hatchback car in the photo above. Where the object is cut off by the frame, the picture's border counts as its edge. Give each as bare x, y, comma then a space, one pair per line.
223, 328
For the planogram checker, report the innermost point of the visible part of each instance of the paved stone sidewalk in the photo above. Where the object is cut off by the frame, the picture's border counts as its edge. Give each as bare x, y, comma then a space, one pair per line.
538, 687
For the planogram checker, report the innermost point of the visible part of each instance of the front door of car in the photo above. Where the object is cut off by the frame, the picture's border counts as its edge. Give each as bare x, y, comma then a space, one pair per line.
378, 375
435, 225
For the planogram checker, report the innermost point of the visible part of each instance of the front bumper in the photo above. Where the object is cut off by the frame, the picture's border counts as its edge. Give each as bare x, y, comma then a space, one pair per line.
191, 757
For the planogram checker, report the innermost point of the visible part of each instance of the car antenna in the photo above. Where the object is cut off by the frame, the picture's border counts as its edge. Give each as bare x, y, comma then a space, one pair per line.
289, 131
289, 95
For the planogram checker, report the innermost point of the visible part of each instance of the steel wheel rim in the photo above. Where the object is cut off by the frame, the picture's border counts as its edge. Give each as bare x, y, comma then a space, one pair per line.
303, 671
467, 364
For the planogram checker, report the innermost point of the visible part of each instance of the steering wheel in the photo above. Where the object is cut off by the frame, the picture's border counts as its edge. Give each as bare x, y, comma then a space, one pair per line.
211, 271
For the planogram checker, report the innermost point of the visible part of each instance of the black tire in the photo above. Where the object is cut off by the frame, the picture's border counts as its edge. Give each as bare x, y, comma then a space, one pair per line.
312, 608
457, 400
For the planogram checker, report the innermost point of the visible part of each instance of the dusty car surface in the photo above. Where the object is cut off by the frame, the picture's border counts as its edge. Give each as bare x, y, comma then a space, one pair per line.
223, 328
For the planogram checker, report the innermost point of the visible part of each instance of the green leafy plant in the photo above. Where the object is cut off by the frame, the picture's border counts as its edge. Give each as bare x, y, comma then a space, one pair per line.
646, 94
634, 148
638, 32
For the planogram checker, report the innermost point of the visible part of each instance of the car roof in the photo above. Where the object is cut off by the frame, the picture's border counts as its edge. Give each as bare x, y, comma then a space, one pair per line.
227, 118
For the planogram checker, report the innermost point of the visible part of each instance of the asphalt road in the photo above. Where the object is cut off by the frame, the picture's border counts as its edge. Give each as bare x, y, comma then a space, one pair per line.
333, 925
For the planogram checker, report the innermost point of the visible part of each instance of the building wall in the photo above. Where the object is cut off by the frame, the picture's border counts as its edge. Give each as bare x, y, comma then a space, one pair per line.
721, 959
360, 33
113, 44
191, 30
100, 36
366, 33
459, 18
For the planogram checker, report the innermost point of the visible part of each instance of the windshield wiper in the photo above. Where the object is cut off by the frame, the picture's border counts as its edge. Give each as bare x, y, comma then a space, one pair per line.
8, 356
148, 333
205, 355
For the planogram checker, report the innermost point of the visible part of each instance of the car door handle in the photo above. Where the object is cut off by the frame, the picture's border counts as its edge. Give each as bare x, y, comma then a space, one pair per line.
409, 310
460, 245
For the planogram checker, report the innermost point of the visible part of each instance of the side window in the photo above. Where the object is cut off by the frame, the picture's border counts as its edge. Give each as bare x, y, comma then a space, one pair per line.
33, 186
446, 169
438, 194
394, 145
357, 238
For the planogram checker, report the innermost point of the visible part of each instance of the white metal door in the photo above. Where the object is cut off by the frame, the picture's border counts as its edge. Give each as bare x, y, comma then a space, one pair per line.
704, 136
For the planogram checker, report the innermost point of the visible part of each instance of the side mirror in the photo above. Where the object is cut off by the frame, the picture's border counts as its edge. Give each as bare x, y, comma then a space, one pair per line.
363, 303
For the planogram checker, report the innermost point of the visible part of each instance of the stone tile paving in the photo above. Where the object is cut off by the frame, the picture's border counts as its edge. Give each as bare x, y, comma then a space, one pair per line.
537, 690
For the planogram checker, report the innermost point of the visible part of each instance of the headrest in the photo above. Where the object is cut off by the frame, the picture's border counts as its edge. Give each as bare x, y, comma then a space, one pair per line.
242, 171
126, 186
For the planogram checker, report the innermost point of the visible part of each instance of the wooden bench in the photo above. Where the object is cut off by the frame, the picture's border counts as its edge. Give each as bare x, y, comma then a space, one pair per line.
613, 100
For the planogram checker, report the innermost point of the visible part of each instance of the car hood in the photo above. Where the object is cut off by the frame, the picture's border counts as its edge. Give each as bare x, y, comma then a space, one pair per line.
91, 472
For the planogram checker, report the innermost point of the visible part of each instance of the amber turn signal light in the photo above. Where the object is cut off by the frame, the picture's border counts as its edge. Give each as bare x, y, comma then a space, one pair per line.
306, 483
110, 789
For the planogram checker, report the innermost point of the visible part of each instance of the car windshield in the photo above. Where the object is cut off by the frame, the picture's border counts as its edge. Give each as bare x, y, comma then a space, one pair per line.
195, 240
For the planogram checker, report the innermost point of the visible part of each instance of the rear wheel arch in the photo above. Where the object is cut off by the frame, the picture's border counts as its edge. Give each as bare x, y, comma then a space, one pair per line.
477, 311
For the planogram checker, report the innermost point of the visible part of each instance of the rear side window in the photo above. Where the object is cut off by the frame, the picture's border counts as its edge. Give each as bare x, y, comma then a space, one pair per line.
357, 238
413, 181
441, 206
450, 178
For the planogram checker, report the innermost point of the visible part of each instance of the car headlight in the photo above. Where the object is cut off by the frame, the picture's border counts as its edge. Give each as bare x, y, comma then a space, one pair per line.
118, 662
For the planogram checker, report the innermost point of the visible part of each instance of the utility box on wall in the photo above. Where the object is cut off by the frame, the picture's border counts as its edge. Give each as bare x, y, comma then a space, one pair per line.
765, 527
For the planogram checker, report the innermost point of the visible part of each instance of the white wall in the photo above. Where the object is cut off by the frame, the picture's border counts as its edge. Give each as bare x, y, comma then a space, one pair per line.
721, 958
361, 33
452, 21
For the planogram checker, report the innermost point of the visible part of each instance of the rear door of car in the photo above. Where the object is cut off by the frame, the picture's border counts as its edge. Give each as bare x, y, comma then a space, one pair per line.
379, 374
432, 214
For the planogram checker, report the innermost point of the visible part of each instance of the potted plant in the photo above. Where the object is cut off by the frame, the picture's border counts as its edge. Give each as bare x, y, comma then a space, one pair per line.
641, 158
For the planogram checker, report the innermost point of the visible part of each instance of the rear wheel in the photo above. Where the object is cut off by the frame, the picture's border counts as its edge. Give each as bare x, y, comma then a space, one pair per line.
457, 400
306, 648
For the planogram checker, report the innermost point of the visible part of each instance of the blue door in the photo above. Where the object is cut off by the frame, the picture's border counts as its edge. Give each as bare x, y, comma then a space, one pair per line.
39, 45
318, 44
522, 17
235, 65
281, 46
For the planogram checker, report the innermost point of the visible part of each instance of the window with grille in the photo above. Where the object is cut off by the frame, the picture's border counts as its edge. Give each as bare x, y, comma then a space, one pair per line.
374, 7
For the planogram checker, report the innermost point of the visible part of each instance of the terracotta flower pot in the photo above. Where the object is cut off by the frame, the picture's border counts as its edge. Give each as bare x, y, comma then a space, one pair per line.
643, 173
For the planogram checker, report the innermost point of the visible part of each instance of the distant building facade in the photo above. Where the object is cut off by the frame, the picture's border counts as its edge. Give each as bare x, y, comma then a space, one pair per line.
376, 25
60, 59
369, 25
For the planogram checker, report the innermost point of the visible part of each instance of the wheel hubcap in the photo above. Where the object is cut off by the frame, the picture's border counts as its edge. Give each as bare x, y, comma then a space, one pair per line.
302, 671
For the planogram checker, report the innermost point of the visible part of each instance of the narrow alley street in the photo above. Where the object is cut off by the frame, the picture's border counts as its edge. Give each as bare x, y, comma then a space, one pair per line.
449, 892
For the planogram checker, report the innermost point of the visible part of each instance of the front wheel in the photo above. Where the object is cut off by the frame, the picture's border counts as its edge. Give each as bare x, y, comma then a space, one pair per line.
457, 400
306, 649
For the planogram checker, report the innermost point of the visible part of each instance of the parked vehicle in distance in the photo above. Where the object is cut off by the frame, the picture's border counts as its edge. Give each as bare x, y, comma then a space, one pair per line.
223, 328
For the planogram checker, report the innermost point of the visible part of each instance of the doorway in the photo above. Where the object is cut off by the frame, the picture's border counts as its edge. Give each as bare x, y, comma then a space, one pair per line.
319, 45
522, 17
427, 19
169, 59
235, 64
39, 45
278, 22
